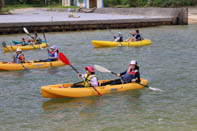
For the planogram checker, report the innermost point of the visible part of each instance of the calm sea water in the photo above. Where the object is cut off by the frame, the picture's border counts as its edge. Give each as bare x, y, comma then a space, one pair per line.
169, 64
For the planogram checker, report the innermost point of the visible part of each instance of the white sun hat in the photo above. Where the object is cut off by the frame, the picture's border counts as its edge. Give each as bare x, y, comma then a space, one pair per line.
133, 62
53, 47
18, 49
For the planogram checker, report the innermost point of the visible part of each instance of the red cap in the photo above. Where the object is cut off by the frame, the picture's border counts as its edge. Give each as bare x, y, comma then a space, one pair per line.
90, 68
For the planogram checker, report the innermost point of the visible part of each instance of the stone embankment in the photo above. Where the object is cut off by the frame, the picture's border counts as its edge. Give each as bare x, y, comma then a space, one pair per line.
50, 21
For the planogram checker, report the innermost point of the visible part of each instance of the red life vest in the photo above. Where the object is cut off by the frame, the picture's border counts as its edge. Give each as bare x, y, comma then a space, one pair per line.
131, 72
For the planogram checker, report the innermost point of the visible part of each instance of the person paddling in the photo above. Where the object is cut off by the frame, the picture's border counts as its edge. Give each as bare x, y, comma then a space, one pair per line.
134, 36
52, 54
19, 57
23, 42
131, 38
119, 37
132, 74
89, 79
36, 40
137, 36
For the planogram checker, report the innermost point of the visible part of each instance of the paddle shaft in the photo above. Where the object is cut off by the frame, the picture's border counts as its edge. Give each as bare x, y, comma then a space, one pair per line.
96, 91
45, 39
30, 36
74, 68
110, 31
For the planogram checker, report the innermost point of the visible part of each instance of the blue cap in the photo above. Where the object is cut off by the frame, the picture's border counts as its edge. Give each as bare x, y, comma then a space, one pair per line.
120, 33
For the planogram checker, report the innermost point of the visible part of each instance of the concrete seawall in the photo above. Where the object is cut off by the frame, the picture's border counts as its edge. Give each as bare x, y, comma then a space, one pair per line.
179, 15
53, 21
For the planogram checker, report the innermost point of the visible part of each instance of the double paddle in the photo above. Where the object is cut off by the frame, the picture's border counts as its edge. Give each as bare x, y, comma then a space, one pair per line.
27, 32
63, 58
103, 69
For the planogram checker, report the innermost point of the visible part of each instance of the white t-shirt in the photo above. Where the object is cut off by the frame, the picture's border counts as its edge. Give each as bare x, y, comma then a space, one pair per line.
93, 81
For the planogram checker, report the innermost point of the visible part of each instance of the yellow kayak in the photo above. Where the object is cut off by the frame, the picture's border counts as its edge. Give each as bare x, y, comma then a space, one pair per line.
62, 90
27, 47
7, 66
97, 43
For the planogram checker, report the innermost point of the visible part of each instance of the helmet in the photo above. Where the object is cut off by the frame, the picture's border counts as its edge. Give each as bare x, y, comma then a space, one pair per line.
133, 62
53, 47
90, 68
18, 49
120, 33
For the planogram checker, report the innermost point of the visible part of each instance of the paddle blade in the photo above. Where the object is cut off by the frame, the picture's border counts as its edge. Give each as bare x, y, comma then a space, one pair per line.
63, 58
154, 89
101, 69
25, 30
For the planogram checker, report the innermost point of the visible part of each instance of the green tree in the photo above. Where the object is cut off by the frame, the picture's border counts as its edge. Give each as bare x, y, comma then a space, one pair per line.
149, 3
1, 5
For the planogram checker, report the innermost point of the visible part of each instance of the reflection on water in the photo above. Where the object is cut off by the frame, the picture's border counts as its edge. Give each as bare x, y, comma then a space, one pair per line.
12, 73
56, 104
87, 105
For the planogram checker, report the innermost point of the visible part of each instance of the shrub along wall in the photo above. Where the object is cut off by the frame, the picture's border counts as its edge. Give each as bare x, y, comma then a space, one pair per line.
156, 3
32, 2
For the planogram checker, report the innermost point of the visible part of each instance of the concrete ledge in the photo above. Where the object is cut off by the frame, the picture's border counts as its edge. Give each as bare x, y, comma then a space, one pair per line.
179, 15
8, 28
101, 19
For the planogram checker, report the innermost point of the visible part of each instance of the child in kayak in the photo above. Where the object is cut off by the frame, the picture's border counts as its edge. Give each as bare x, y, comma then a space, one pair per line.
119, 37
19, 57
132, 74
89, 79
23, 42
52, 54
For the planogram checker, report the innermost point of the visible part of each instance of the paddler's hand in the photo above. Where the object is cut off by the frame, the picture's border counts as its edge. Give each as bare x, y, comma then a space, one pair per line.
79, 74
118, 75
133, 80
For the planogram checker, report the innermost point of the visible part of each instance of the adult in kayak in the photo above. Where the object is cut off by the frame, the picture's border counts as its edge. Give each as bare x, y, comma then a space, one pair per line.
36, 40
134, 36
119, 37
131, 38
137, 36
52, 54
132, 74
89, 79
19, 56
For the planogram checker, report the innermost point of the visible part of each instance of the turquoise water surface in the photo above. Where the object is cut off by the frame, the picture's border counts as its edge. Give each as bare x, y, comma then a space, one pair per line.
168, 64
